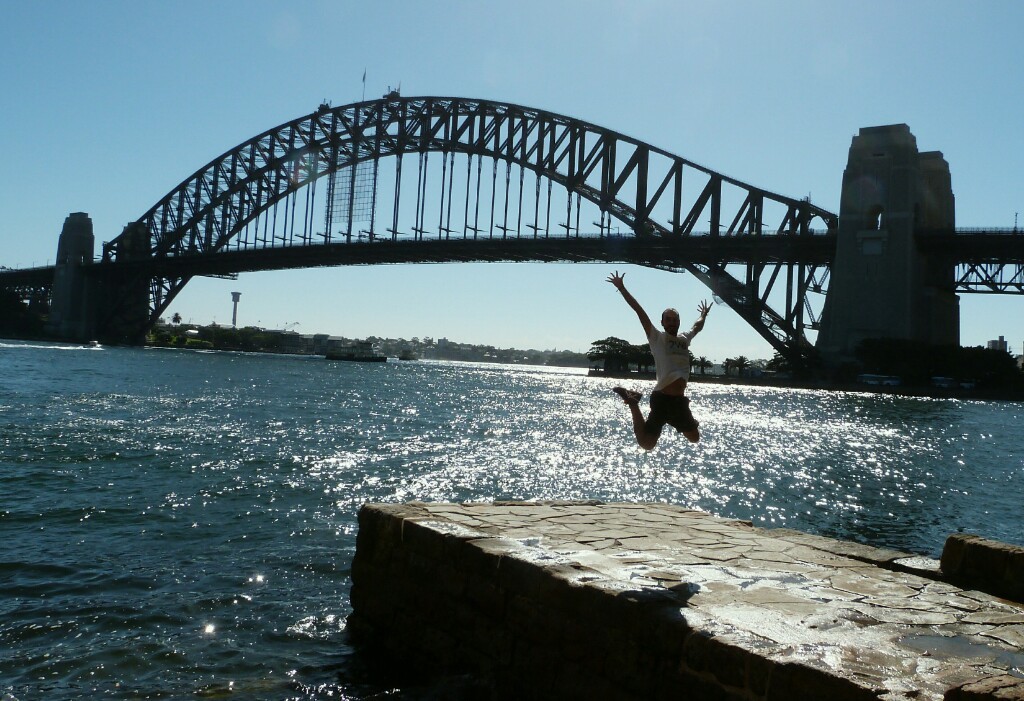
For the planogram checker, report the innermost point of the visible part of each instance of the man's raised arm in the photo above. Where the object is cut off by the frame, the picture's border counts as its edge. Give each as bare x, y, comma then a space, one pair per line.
703, 308
619, 282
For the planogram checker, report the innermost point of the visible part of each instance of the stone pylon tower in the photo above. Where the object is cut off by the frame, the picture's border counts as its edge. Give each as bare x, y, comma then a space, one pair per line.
881, 285
123, 314
72, 298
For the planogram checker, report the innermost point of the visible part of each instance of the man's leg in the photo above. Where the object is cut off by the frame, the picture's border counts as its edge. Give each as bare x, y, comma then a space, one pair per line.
632, 399
691, 429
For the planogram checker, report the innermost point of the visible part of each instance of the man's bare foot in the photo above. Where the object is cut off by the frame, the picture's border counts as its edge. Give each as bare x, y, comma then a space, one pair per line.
628, 395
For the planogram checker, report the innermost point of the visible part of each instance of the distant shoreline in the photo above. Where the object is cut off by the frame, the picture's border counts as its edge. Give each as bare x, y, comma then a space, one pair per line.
979, 394
899, 391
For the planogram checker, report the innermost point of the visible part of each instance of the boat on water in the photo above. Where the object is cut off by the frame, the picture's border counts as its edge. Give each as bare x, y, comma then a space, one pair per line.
360, 352
408, 355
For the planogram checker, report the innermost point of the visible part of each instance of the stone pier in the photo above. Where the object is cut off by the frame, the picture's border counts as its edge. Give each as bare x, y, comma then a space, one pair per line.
652, 601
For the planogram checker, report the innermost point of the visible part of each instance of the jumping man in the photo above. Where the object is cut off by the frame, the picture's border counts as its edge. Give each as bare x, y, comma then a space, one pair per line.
672, 367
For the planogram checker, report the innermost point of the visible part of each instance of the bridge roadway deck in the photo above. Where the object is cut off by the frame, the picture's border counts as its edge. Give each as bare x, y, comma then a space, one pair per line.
623, 600
818, 249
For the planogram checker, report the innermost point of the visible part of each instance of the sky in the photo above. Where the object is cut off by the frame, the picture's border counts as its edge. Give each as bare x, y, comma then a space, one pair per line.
107, 105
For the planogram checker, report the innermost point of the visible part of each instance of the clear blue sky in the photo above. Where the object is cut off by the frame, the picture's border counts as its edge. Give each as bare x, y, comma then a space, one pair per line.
105, 106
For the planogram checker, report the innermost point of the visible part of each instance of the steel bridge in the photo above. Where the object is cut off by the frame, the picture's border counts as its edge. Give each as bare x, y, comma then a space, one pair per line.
437, 179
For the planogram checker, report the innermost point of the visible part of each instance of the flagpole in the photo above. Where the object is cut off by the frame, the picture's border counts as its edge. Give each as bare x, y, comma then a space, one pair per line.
364, 85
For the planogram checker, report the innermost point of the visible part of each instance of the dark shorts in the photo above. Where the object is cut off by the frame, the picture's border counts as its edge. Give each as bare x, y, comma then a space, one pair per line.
671, 410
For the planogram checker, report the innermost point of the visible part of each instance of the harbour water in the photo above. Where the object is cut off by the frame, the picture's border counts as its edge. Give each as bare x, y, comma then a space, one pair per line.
180, 524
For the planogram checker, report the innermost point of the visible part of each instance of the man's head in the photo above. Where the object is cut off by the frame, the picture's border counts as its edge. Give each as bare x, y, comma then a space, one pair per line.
670, 321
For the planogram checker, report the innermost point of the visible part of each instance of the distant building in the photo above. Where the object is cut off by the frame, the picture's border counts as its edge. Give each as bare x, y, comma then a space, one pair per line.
997, 345
303, 344
318, 343
291, 342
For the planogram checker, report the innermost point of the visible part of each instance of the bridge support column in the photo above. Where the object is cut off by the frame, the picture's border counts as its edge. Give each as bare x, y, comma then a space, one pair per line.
73, 296
882, 285
124, 313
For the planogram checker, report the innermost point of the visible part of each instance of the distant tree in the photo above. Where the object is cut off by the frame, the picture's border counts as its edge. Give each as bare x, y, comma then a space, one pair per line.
176, 319
614, 353
18, 318
157, 336
988, 367
912, 361
703, 364
739, 364
565, 359
642, 357
916, 363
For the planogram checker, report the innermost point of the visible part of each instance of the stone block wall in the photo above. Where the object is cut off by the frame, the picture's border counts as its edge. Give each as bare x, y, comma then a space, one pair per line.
987, 565
436, 599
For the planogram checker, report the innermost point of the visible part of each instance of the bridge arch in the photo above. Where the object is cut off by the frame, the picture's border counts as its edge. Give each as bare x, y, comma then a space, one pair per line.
658, 198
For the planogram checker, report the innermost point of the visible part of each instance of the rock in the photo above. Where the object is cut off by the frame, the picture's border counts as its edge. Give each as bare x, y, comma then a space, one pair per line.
1001, 688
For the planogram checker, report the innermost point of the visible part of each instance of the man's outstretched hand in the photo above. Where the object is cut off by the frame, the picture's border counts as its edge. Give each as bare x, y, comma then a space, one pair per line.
618, 280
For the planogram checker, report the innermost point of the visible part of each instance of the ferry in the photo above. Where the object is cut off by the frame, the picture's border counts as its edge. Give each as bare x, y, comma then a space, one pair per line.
360, 351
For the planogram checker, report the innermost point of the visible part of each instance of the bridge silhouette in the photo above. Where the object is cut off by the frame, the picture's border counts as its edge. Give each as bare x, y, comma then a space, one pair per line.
436, 179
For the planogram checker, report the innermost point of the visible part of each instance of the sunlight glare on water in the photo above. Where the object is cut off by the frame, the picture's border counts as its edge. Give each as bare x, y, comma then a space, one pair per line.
179, 523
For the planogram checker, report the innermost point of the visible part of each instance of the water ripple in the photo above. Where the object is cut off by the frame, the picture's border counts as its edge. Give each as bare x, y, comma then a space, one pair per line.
181, 524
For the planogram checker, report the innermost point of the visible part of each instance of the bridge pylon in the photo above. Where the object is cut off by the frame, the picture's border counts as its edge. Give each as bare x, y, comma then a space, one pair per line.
122, 316
883, 285
73, 295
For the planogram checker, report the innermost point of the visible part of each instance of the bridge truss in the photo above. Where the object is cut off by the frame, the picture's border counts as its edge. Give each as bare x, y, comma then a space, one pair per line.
489, 181
32, 286
985, 261
458, 179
